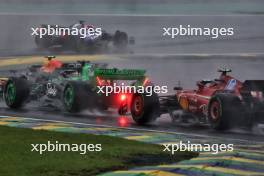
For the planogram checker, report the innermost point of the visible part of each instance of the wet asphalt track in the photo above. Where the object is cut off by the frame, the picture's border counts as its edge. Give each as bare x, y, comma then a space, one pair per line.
148, 31
186, 69
160, 56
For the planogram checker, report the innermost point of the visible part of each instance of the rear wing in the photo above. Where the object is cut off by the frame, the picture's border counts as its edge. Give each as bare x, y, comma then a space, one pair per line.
120, 74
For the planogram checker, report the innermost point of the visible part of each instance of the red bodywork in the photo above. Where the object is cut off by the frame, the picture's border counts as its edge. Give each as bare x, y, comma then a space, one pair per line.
51, 65
196, 101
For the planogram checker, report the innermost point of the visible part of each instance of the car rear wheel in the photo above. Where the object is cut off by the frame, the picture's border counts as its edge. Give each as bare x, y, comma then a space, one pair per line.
16, 92
144, 109
224, 110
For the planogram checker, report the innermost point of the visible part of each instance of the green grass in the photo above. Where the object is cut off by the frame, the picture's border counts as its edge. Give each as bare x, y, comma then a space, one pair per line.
16, 157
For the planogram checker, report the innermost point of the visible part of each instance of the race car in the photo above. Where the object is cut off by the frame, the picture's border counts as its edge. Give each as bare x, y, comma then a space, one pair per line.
222, 103
80, 43
73, 87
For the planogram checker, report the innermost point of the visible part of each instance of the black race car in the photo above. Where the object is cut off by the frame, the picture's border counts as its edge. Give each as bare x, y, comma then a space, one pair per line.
81, 41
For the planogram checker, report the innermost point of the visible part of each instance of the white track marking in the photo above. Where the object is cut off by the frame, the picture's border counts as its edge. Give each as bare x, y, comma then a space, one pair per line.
125, 15
132, 129
197, 54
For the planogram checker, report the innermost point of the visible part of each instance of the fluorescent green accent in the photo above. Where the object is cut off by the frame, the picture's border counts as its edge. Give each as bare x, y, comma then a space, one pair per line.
85, 72
120, 74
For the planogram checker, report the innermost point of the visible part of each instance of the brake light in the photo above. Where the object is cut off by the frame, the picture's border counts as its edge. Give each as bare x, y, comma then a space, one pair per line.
123, 97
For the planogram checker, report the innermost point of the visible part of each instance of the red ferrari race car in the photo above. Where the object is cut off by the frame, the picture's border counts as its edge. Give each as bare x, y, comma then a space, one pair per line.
222, 102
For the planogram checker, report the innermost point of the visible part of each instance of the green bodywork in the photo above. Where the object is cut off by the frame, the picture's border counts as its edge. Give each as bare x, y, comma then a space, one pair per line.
116, 74
88, 73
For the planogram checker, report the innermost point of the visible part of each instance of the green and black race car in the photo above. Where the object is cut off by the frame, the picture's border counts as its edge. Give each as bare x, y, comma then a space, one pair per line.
80, 85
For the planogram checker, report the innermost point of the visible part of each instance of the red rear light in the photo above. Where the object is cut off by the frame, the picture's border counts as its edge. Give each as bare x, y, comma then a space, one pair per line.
123, 97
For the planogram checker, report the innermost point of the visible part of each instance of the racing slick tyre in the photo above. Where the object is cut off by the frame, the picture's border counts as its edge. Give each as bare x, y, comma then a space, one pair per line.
224, 110
16, 92
76, 96
144, 109
120, 40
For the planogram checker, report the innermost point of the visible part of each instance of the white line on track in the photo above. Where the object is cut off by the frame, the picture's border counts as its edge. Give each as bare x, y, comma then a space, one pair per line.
197, 54
133, 129
127, 15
